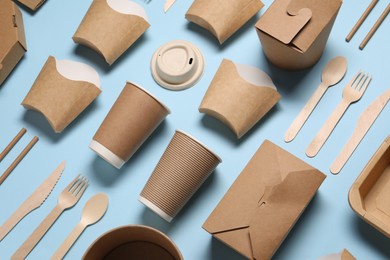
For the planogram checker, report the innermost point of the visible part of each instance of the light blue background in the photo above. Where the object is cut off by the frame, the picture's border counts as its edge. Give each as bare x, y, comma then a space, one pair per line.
327, 226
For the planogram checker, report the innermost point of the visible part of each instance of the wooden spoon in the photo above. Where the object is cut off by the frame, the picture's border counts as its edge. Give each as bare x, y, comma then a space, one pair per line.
93, 211
332, 74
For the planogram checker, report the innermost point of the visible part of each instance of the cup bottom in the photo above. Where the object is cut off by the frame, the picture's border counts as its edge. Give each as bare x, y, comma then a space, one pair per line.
155, 209
106, 154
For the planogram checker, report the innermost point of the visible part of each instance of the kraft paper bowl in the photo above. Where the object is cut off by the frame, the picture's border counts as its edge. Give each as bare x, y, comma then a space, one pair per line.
133, 242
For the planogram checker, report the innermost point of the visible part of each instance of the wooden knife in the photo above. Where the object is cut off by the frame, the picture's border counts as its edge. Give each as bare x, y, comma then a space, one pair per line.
35, 200
366, 120
168, 4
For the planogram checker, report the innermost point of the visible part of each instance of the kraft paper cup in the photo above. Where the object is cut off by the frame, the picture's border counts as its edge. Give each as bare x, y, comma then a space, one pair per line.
184, 166
133, 242
132, 119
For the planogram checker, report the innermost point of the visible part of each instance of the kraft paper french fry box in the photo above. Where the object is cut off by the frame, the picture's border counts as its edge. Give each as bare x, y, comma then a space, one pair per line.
182, 169
293, 33
264, 203
62, 90
369, 196
222, 18
132, 119
239, 96
110, 27
343, 255
13, 42
32, 4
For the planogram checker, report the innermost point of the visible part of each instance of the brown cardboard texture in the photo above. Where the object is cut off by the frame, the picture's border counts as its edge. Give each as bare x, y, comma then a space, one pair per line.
58, 98
32, 4
369, 196
222, 18
109, 32
343, 255
346, 255
13, 42
133, 242
293, 33
131, 120
264, 203
239, 96
182, 169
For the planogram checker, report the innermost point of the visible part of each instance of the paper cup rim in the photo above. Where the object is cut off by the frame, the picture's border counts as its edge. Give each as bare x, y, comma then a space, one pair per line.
150, 94
155, 209
106, 154
201, 143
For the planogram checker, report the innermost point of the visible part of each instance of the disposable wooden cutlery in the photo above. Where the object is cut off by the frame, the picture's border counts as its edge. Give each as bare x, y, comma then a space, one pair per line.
352, 93
333, 72
366, 120
93, 211
35, 200
67, 199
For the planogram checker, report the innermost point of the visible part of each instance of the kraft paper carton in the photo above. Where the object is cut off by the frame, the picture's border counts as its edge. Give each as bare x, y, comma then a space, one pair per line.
182, 169
13, 42
132, 119
62, 90
222, 18
110, 27
369, 196
343, 255
293, 33
32, 4
264, 203
239, 96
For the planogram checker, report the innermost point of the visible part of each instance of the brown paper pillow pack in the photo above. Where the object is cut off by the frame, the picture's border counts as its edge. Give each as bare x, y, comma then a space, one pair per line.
222, 17
369, 196
110, 27
239, 96
13, 42
62, 90
293, 33
265, 201
32, 4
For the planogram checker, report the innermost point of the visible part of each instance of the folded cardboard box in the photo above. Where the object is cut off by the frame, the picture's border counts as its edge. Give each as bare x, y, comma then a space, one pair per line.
12, 39
32, 4
264, 203
369, 196
293, 33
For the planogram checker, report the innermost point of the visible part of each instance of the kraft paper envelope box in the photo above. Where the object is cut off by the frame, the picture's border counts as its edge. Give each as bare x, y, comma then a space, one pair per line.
32, 4
239, 96
110, 27
62, 90
264, 203
12, 39
222, 17
369, 196
343, 255
293, 33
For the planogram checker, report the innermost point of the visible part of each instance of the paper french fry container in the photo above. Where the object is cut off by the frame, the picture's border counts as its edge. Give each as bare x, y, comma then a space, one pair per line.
293, 33
13, 42
132, 119
182, 169
239, 96
133, 242
222, 18
369, 195
32, 4
110, 27
264, 202
62, 90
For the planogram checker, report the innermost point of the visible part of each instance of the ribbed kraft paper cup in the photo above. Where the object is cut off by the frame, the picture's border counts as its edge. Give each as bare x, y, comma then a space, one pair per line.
132, 119
182, 169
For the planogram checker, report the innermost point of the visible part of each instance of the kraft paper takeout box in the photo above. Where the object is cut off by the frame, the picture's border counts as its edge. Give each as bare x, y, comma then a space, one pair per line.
369, 196
32, 4
343, 255
222, 18
62, 90
264, 203
110, 27
293, 33
12, 39
239, 96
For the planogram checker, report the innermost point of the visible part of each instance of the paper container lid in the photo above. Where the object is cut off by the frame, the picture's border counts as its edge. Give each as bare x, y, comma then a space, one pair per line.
177, 65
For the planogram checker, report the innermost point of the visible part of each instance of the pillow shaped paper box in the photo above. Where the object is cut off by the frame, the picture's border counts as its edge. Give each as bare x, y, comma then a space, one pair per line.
369, 196
12, 39
293, 33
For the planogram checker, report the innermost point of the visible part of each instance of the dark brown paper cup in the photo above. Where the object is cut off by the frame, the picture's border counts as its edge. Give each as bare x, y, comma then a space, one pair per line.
184, 166
131, 120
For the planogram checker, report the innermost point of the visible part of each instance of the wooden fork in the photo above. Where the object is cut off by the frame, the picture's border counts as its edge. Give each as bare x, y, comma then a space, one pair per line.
352, 93
67, 199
